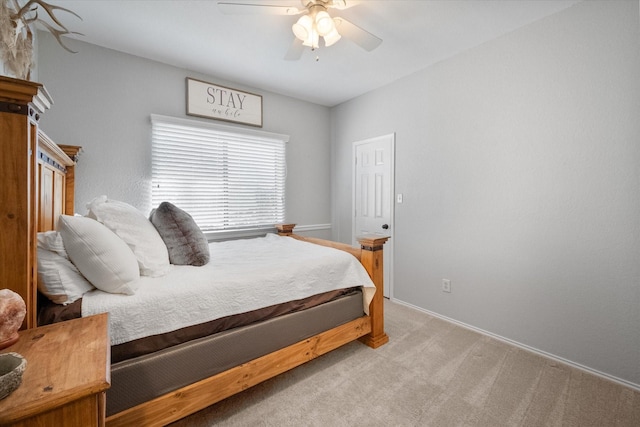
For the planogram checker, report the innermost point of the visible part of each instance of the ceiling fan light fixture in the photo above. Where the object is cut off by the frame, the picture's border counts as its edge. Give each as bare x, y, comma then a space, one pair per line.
324, 23
303, 28
315, 24
332, 38
314, 21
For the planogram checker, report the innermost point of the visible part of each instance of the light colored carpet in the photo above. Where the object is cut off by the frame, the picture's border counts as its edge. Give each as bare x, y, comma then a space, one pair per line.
431, 373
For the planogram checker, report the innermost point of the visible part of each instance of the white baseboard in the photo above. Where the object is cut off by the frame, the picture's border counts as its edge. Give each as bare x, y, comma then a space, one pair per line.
524, 346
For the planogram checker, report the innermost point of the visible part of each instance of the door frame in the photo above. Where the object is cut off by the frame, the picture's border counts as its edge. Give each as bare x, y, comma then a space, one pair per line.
389, 245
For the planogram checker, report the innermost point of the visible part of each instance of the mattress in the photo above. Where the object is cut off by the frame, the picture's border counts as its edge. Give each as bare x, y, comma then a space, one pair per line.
246, 281
51, 313
242, 275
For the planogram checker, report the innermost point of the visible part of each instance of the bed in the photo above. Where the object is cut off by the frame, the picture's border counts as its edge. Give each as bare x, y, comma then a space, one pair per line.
38, 189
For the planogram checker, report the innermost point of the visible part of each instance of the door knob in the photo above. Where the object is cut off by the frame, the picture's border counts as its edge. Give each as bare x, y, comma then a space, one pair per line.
385, 226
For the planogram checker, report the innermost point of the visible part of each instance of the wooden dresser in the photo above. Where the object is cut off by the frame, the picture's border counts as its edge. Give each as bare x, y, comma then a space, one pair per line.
67, 374
37, 182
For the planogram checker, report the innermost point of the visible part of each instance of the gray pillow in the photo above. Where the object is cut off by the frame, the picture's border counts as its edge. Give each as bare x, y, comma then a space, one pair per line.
186, 243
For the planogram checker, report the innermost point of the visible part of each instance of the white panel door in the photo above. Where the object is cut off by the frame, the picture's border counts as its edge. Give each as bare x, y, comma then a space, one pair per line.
374, 195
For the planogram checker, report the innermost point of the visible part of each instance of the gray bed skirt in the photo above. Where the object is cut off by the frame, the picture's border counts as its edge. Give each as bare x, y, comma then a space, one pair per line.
138, 380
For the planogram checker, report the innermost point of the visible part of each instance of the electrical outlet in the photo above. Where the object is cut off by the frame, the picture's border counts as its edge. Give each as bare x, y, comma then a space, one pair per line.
446, 285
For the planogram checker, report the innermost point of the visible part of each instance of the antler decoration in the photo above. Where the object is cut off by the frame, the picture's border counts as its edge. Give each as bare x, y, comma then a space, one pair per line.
16, 41
25, 10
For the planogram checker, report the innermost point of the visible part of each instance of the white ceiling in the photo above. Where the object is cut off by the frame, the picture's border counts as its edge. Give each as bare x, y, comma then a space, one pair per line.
249, 49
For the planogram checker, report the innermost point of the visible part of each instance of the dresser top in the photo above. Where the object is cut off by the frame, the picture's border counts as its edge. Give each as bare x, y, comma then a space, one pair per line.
66, 361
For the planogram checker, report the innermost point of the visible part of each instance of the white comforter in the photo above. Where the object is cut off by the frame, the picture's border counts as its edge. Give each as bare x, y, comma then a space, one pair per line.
243, 275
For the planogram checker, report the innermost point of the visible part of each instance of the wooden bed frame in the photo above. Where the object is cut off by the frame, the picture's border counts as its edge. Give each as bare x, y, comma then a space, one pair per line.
38, 185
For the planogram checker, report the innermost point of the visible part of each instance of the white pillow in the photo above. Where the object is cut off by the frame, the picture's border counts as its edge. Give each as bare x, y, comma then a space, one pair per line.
52, 241
58, 279
100, 255
136, 230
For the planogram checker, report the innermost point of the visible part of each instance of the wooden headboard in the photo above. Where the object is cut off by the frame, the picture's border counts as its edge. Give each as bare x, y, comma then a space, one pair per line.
56, 179
37, 185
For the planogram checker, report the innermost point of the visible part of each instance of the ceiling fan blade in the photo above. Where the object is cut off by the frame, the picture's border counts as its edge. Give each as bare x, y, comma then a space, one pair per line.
295, 50
343, 4
361, 37
257, 9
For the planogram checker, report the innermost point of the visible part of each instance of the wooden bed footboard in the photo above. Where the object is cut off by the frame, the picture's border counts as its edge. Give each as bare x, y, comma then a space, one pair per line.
370, 255
195, 397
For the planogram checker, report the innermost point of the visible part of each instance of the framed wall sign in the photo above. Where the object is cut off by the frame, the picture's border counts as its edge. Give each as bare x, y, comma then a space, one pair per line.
222, 103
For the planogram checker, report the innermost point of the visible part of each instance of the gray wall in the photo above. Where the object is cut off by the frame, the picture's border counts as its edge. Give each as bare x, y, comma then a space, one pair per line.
103, 99
519, 161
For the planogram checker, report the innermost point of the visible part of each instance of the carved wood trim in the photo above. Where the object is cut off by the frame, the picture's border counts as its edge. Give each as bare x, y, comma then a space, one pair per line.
285, 229
73, 151
24, 92
53, 152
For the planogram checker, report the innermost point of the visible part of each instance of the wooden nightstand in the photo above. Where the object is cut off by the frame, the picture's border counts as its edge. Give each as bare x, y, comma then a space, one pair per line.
68, 371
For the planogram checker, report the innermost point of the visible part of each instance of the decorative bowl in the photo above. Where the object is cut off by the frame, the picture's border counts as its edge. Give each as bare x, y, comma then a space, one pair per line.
12, 366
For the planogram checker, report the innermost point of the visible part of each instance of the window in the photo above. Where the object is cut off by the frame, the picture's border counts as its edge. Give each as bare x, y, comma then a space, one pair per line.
227, 178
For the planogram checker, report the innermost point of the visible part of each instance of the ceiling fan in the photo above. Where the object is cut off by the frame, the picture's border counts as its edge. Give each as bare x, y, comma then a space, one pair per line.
315, 23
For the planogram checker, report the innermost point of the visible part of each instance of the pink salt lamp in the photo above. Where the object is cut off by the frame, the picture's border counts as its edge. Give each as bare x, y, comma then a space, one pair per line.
12, 312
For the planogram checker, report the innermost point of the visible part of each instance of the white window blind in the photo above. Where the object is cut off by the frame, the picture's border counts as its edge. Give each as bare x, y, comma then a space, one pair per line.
225, 178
